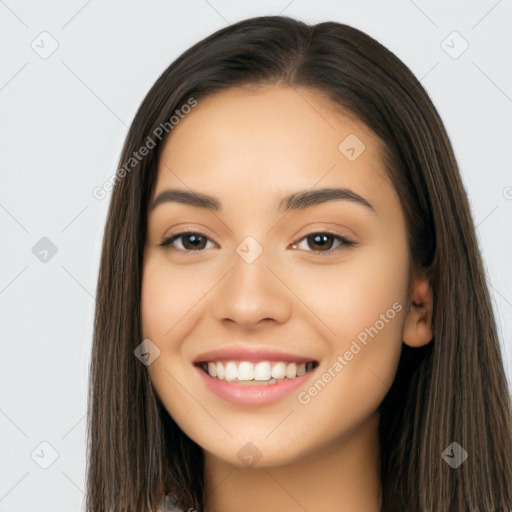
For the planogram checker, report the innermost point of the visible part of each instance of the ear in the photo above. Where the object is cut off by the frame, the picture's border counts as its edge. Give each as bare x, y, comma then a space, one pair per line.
418, 321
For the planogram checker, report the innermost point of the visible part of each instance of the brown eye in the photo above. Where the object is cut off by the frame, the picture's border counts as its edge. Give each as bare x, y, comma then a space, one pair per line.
320, 241
188, 241
323, 243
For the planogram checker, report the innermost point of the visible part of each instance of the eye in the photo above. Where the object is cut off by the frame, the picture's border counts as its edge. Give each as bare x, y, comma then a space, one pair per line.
323, 243
187, 241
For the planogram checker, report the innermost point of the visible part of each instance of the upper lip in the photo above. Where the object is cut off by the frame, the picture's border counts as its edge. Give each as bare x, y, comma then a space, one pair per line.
251, 354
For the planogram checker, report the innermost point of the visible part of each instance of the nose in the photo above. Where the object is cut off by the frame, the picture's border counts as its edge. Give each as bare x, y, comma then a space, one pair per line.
251, 296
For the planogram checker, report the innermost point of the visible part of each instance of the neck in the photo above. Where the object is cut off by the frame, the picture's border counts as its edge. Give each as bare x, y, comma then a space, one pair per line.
342, 476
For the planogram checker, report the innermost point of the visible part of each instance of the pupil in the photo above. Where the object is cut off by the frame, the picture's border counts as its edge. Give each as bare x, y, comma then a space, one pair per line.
194, 240
322, 241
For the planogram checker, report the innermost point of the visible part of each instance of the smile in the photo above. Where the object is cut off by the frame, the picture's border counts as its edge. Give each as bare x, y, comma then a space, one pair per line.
256, 373
253, 376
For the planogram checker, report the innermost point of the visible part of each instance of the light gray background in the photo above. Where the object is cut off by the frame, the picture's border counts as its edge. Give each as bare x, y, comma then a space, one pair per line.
64, 119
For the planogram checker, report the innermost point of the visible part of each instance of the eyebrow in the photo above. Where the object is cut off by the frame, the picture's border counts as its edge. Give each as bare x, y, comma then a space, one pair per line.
296, 201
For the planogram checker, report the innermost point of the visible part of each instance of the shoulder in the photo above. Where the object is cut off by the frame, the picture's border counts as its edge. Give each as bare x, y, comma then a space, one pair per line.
168, 503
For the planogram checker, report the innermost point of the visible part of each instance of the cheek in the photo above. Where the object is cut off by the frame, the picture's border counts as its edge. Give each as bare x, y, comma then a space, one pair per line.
155, 300
362, 301
168, 297
167, 314
373, 287
353, 295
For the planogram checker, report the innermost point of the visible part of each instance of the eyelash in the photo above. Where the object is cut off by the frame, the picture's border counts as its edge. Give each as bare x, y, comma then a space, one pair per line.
344, 241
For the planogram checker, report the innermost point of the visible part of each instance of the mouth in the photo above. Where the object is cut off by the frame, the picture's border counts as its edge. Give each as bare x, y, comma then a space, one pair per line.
256, 373
253, 376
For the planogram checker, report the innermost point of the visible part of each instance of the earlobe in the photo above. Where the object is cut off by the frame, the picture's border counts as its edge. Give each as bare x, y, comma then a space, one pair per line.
418, 322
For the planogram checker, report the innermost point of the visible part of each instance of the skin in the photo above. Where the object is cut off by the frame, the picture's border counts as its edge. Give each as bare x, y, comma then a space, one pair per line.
249, 148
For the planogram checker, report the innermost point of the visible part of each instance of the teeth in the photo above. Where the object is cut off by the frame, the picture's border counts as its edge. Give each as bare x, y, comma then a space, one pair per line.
291, 370
231, 372
245, 371
212, 369
261, 372
279, 370
219, 370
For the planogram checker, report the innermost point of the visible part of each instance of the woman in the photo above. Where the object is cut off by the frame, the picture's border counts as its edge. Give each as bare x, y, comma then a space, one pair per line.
291, 306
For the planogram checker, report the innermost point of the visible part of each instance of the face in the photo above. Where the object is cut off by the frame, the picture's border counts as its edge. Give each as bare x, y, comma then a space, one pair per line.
304, 297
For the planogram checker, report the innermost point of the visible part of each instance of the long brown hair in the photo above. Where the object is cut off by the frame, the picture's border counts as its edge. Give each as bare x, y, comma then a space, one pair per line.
453, 390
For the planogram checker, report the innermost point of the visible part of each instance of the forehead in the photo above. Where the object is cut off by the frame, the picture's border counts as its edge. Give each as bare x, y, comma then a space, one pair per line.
268, 140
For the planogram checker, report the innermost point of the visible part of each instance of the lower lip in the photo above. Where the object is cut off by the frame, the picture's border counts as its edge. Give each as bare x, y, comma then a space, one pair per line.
242, 394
